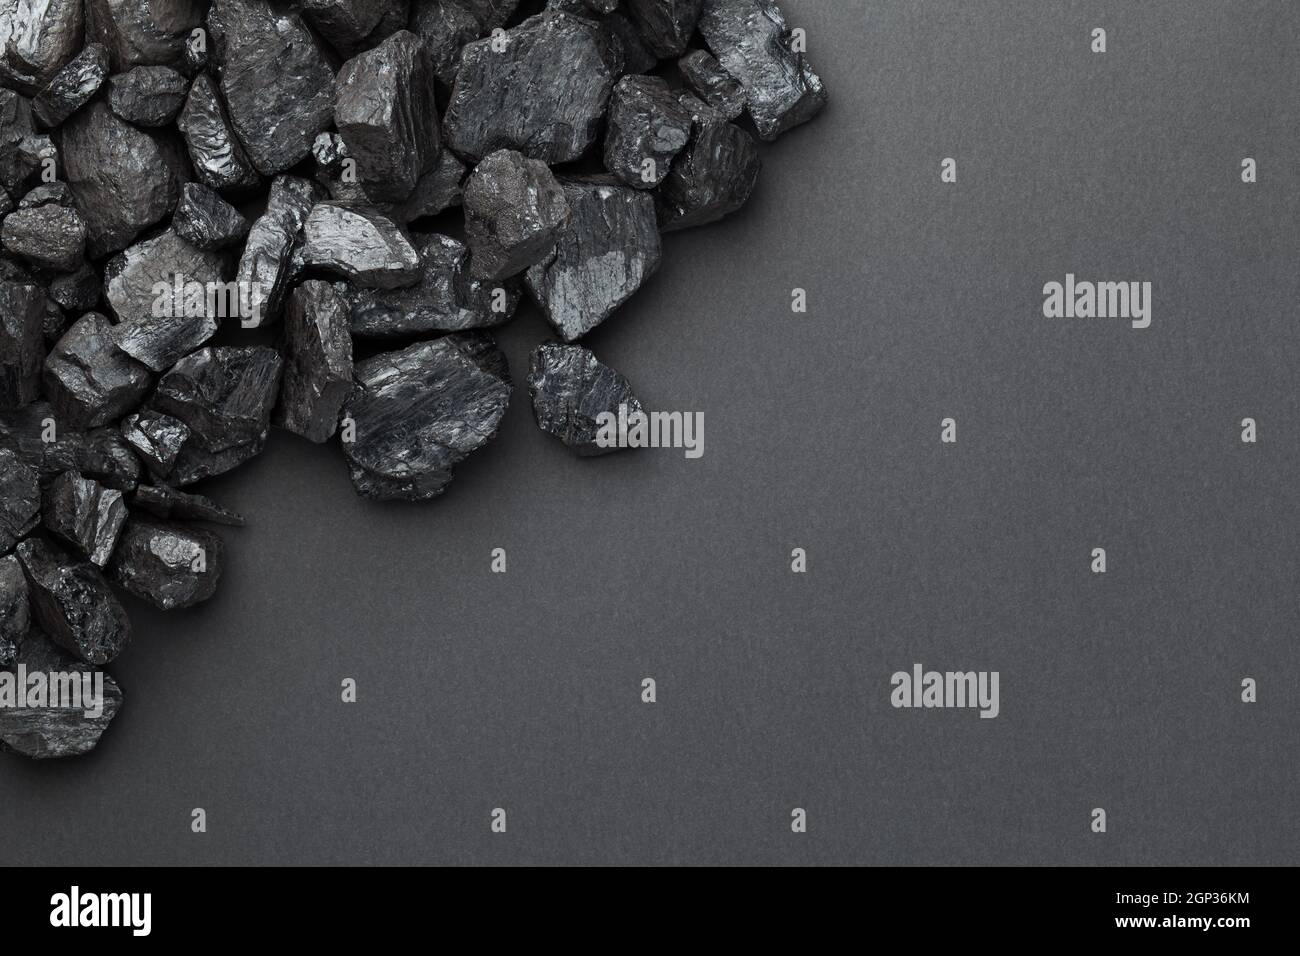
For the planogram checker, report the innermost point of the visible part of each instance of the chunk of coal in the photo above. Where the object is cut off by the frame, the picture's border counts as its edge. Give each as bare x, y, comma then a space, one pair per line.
351, 26
72, 87
72, 603
122, 178
571, 390
100, 453
28, 431
446, 299
38, 155
48, 728
84, 514
514, 209
206, 221
166, 502
76, 291
20, 499
159, 330
54, 324
609, 249
219, 161
49, 237
22, 344
445, 26
713, 176
318, 363
385, 112
144, 32
705, 77
417, 412
88, 379
267, 261
157, 438
56, 193
15, 130
360, 244
648, 127
169, 565
544, 94
665, 25
438, 190
15, 616
36, 40
276, 81
147, 95
752, 42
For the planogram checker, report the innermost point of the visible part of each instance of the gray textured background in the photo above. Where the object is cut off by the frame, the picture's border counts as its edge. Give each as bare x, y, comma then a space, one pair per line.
522, 691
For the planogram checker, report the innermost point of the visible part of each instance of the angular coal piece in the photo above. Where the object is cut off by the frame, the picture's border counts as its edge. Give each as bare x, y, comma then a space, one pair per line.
445, 26
361, 244
385, 111
705, 77
169, 565
84, 514
157, 438
418, 412
77, 291
43, 731
206, 221
148, 95
665, 25
219, 161
318, 363
167, 503
122, 178
88, 379
22, 343
277, 82
351, 26
28, 432
15, 130
336, 171
438, 190
267, 262
36, 40
100, 453
72, 87
49, 237
224, 395
20, 499
544, 94
446, 299
647, 128
15, 616
514, 209
56, 193
571, 390
158, 331
73, 604
609, 249
713, 176
752, 42
139, 33
54, 324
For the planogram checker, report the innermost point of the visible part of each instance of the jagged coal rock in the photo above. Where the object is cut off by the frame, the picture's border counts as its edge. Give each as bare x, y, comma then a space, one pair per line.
38, 440
713, 176
88, 379
438, 190
73, 603
20, 499
318, 361
648, 127
608, 250
43, 731
85, 515
22, 343
206, 221
360, 244
144, 32
445, 26
49, 237
418, 412
352, 26
54, 324
15, 130
148, 96
56, 193
76, 291
163, 501
15, 615
446, 299
36, 43
157, 438
385, 111
753, 43
665, 25
72, 87
571, 390
219, 160
267, 261
169, 565
514, 210
276, 80
544, 94
704, 76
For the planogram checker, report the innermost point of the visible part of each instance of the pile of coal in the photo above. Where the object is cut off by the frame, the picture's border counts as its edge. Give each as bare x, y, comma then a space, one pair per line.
220, 217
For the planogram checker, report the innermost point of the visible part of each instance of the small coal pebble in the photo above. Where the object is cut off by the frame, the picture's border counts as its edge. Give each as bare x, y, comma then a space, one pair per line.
571, 390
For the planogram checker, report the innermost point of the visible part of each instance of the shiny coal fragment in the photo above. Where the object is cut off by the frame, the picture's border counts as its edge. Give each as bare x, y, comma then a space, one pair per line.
665, 25
417, 412
446, 299
22, 343
438, 190
385, 112
72, 87
218, 159
88, 379
753, 43
544, 94
20, 499
166, 502
169, 565
49, 237
571, 390
276, 80
85, 514
15, 615
73, 603
445, 26
15, 130
147, 95
144, 32
609, 249
50, 727
352, 26
224, 395
100, 453
76, 291
157, 438
318, 361
36, 40
361, 244
713, 176
514, 209
206, 221
648, 127
55, 193
267, 260
705, 77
